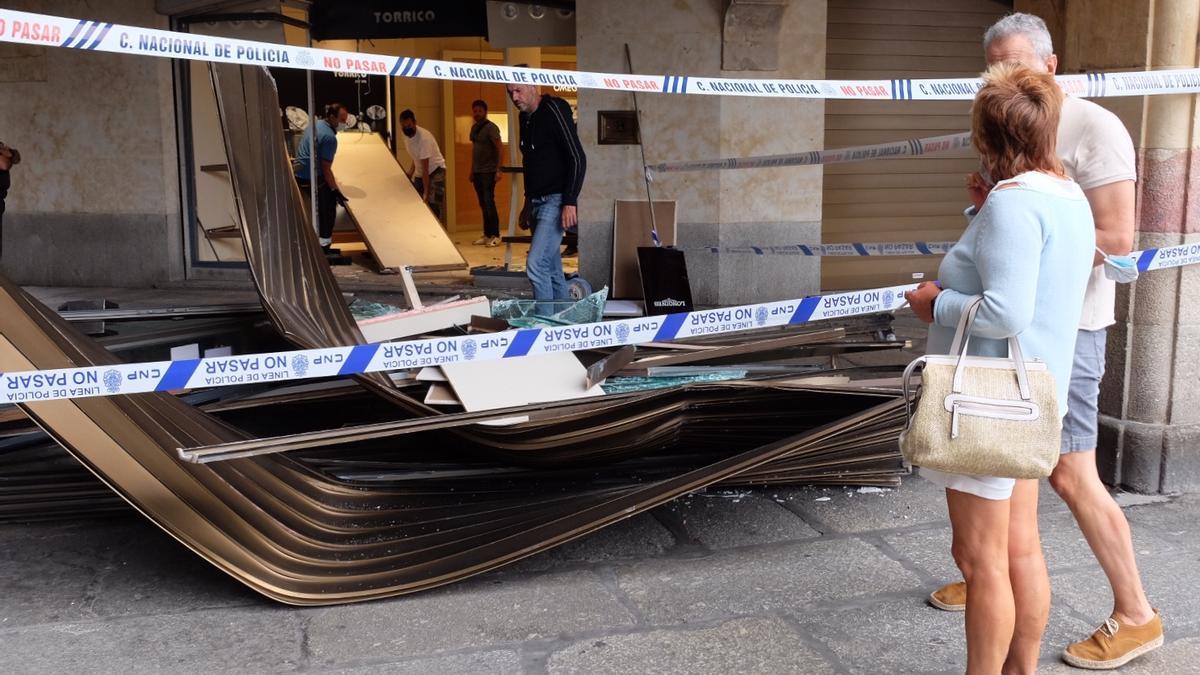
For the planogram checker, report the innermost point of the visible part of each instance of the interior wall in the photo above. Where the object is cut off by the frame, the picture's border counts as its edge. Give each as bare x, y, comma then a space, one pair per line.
95, 200
760, 207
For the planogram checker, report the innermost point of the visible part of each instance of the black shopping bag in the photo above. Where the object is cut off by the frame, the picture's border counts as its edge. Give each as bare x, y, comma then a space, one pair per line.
664, 280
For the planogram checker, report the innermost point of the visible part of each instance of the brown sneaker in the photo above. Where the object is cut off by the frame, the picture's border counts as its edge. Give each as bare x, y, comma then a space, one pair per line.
1114, 645
951, 597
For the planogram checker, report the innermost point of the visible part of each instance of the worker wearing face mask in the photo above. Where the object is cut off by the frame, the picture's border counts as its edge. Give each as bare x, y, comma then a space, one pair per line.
429, 167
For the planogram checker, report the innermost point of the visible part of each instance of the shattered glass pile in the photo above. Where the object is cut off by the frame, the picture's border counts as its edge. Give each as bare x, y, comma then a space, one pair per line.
525, 313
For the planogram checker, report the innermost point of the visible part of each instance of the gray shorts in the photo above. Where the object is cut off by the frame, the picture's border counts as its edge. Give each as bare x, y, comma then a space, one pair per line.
1080, 424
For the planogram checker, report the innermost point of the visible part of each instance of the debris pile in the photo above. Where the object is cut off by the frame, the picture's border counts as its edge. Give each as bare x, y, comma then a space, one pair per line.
356, 488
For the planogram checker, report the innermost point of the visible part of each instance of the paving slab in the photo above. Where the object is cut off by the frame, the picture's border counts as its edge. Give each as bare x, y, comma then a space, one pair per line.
894, 636
1177, 521
853, 510
761, 594
1065, 546
45, 591
488, 611
754, 581
929, 550
114, 568
498, 662
1172, 585
750, 645
227, 641
68, 541
906, 635
641, 536
1063, 543
721, 519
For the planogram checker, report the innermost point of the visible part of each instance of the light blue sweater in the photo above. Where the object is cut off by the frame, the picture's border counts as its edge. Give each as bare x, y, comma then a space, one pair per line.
1028, 251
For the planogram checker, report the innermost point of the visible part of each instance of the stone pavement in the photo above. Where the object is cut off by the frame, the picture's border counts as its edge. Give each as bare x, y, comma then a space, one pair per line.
805, 580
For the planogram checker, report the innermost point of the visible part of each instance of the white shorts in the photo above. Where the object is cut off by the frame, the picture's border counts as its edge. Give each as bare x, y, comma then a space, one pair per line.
988, 487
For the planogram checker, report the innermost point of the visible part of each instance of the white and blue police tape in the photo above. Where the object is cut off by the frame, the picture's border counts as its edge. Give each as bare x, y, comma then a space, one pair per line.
1145, 261
847, 250
913, 147
90, 35
1166, 257
133, 378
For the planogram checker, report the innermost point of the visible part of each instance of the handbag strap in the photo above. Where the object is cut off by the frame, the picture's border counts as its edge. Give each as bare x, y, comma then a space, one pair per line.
960, 332
904, 383
965, 322
1014, 352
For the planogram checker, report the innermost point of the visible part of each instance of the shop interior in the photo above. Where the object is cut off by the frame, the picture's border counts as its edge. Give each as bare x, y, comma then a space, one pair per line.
375, 103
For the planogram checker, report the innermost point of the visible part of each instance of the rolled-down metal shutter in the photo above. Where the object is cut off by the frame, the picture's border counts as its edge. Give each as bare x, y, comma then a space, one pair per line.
899, 199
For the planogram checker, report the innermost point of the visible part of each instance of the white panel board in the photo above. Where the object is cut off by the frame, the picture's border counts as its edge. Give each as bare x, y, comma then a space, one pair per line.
397, 226
425, 320
510, 382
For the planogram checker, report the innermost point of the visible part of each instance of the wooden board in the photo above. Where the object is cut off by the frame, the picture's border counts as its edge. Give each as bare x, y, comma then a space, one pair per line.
397, 226
631, 229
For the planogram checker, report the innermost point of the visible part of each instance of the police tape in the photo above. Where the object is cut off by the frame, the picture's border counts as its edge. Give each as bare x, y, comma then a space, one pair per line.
89, 35
846, 250
913, 147
1166, 257
134, 378
159, 376
1146, 261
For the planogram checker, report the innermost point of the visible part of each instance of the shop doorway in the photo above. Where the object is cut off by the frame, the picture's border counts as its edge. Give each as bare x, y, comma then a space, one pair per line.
465, 217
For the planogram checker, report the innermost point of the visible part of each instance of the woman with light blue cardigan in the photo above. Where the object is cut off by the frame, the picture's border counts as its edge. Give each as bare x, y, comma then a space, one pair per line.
1028, 251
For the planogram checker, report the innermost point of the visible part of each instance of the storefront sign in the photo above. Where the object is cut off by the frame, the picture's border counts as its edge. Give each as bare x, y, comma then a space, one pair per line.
380, 19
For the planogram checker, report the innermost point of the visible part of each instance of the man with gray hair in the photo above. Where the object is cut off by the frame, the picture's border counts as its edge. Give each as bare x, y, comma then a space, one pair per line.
1097, 152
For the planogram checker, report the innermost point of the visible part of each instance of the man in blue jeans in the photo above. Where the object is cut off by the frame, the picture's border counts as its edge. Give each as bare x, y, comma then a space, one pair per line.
554, 166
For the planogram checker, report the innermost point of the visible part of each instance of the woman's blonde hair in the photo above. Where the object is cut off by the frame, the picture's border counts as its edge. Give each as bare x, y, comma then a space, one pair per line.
1014, 121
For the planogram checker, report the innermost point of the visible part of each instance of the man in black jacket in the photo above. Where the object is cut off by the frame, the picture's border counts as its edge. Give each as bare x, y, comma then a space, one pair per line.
554, 166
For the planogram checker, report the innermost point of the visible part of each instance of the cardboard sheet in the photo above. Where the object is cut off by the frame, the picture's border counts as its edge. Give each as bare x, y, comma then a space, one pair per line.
440, 394
431, 374
631, 229
622, 308
398, 228
425, 320
488, 385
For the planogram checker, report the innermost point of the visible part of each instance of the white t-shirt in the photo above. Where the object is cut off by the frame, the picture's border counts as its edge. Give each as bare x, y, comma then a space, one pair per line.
423, 146
1095, 149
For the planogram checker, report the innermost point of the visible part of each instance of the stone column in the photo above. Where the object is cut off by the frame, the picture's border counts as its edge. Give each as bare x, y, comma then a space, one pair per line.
1150, 404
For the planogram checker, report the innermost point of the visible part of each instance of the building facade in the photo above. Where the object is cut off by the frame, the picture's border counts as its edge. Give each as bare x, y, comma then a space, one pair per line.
106, 193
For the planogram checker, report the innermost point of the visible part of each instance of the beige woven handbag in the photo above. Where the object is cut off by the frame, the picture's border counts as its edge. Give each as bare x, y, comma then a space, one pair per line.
982, 416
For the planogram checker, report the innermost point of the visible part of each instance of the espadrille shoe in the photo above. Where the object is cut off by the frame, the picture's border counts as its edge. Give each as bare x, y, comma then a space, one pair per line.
1114, 645
951, 597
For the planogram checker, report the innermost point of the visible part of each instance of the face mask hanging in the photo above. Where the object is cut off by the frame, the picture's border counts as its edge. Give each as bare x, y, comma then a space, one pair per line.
1119, 268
